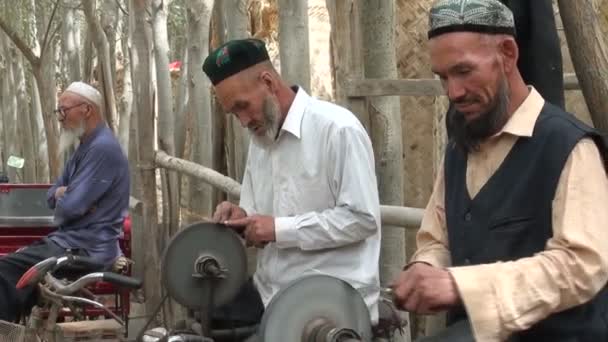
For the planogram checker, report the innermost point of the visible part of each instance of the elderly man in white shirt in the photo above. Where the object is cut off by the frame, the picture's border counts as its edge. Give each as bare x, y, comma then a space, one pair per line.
309, 198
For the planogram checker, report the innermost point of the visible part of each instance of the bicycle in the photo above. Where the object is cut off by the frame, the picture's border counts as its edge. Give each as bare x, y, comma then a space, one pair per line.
57, 293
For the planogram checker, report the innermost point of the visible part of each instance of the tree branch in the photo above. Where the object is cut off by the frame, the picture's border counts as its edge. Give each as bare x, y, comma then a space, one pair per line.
48, 29
121, 9
21, 45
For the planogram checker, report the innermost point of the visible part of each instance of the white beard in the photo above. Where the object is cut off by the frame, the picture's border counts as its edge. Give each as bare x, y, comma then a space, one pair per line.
271, 115
70, 137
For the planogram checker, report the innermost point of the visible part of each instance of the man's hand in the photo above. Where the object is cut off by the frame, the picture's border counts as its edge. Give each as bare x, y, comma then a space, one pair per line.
425, 289
60, 192
257, 229
228, 211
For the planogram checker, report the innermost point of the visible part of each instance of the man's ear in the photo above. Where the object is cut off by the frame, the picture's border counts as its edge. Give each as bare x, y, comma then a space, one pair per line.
510, 53
268, 80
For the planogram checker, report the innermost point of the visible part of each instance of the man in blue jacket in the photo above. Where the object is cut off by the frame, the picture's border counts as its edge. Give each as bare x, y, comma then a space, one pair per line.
90, 199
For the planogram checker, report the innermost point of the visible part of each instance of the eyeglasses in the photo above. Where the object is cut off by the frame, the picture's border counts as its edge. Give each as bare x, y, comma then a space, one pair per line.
62, 112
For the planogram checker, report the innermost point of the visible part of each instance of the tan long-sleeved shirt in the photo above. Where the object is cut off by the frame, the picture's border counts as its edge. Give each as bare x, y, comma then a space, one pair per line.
506, 297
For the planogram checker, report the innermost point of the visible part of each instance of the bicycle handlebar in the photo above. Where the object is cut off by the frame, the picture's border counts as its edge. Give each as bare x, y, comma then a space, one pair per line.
121, 280
114, 278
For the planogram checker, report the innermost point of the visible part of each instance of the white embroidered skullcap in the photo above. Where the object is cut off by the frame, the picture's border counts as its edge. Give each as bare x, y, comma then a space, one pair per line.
88, 92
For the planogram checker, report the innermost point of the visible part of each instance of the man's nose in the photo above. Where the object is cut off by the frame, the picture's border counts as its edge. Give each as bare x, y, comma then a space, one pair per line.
455, 90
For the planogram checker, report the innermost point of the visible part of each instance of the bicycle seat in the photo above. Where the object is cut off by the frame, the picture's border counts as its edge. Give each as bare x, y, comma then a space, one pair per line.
76, 266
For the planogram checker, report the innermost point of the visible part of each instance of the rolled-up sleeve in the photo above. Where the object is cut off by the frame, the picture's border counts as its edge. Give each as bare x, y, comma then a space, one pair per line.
356, 215
432, 237
503, 298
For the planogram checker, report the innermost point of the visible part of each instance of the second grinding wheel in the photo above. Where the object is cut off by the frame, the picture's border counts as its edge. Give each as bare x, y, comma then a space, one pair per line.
310, 300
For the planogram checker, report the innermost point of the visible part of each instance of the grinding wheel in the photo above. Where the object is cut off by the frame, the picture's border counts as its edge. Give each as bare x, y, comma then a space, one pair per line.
197, 241
293, 310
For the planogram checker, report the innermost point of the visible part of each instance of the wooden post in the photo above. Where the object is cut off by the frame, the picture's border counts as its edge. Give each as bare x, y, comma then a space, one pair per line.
589, 56
142, 87
347, 53
293, 42
378, 18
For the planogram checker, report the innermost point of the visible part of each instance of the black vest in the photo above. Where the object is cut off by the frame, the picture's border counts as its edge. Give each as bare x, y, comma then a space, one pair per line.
510, 217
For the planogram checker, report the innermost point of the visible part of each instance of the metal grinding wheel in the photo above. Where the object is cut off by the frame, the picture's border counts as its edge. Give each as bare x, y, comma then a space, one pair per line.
198, 248
316, 308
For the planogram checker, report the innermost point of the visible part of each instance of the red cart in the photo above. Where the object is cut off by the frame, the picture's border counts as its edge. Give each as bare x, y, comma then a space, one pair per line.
25, 218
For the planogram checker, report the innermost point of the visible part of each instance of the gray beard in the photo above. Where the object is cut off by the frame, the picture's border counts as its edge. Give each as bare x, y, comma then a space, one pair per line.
271, 125
70, 138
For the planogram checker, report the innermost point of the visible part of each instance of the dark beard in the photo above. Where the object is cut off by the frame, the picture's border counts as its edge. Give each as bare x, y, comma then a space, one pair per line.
469, 135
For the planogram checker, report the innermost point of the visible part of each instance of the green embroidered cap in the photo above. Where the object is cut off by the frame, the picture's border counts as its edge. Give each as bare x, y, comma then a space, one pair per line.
482, 16
233, 57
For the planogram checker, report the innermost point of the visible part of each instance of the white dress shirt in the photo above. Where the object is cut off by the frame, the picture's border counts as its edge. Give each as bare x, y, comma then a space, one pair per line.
318, 180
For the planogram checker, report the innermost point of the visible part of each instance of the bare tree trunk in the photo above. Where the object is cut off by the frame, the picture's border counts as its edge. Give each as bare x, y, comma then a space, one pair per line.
293, 42
42, 69
237, 138
108, 19
39, 137
199, 16
136, 182
589, 55
217, 37
133, 147
165, 108
181, 106
24, 127
141, 86
9, 110
380, 62
166, 136
46, 87
125, 100
125, 107
47, 84
89, 56
236, 18
70, 41
103, 51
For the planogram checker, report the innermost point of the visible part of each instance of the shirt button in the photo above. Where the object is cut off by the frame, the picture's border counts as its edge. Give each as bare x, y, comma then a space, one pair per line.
468, 216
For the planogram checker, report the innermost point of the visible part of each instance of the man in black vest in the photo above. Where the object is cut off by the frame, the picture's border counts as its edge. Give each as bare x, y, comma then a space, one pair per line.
514, 243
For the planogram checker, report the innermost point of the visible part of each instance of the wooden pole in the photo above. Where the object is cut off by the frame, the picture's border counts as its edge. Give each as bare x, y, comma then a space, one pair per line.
207, 175
589, 54
293, 42
143, 105
380, 60
347, 53
390, 214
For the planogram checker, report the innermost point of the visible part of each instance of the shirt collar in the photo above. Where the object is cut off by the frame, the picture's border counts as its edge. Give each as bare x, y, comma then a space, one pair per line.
523, 120
293, 120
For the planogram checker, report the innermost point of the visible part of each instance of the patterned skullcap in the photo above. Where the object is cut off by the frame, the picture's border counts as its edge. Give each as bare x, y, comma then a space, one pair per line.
233, 57
481, 16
